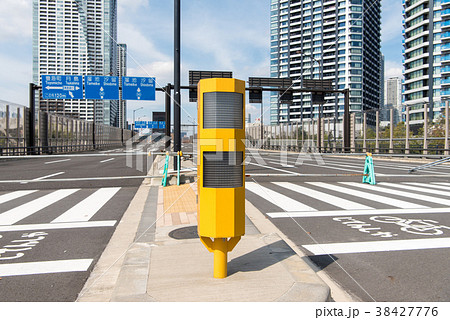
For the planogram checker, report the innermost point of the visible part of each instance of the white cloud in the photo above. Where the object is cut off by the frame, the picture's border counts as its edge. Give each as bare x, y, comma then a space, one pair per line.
15, 20
393, 69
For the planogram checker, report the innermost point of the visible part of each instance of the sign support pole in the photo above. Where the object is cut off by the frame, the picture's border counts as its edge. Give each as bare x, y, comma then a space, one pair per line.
32, 122
177, 102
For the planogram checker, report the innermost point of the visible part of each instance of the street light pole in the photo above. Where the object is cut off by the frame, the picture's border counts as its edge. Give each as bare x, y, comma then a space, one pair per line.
134, 112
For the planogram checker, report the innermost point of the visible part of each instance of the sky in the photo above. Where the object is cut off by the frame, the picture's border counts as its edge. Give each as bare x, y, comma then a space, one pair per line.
227, 35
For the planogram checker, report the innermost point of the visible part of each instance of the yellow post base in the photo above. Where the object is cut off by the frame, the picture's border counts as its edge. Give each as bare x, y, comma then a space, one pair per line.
220, 248
220, 258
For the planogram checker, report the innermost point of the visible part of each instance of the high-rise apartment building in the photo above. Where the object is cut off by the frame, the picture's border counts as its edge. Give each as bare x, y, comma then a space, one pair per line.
122, 68
337, 40
393, 98
426, 57
76, 37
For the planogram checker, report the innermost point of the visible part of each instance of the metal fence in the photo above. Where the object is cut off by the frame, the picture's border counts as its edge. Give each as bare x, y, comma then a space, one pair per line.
53, 133
304, 137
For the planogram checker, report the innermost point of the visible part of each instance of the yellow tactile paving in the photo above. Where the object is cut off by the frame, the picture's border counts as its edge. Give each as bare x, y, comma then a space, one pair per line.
179, 199
177, 205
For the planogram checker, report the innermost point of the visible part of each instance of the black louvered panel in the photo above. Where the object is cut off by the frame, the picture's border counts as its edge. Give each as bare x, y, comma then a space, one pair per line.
223, 110
223, 169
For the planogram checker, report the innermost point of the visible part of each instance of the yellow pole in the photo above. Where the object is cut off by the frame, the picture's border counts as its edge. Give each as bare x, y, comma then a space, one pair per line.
220, 258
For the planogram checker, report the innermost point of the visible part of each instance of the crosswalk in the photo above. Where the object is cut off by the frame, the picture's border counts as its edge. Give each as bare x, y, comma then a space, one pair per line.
83, 211
344, 201
357, 197
16, 209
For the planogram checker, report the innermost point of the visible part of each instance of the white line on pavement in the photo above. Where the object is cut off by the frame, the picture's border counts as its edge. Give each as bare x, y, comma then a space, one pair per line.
277, 199
42, 267
50, 175
340, 213
14, 195
85, 210
21, 212
103, 161
377, 246
54, 226
56, 161
321, 196
272, 168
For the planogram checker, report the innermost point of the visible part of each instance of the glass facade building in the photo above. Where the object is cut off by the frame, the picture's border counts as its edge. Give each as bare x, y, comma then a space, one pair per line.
76, 37
426, 57
337, 40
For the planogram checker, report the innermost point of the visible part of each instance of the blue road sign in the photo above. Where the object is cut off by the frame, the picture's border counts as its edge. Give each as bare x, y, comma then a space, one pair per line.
99, 87
161, 125
153, 124
140, 124
138, 88
62, 87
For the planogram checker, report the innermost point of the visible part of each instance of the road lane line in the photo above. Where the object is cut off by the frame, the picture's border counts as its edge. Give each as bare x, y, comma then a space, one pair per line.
277, 199
377, 246
14, 195
428, 185
351, 213
281, 164
55, 226
401, 193
56, 161
43, 267
85, 210
25, 210
272, 168
369, 196
103, 161
50, 175
321, 196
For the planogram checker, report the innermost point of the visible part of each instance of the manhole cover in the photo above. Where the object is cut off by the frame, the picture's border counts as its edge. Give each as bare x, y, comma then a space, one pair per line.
184, 233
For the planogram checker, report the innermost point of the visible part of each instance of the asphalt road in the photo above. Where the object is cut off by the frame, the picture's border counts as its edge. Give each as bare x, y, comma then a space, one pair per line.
384, 242
53, 233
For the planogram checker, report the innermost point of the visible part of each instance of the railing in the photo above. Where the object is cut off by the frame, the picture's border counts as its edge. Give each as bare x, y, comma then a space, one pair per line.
303, 137
53, 133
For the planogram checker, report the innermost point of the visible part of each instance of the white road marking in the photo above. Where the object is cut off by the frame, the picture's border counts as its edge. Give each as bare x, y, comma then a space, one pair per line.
103, 161
43, 267
85, 210
369, 196
281, 164
377, 246
400, 193
50, 175
54, 226
272, 168
442, 183
18, 213
14, 195
340, 213
419, 189
336, 201
277, 199
428, 185
56, 161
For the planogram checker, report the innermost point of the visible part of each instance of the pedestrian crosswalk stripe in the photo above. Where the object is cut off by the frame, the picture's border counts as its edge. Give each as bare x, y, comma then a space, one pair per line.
276, 198
336, 201
25, 210
337, 213
43, 267
14, 195
377, 246
54, 226
86, 209
416, 188
442, 183
426, 185
369, 196
415, 196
